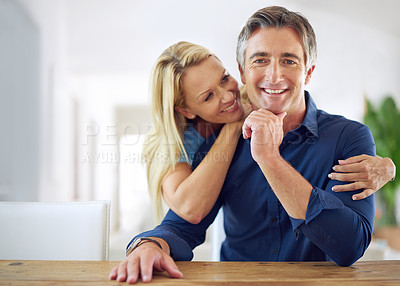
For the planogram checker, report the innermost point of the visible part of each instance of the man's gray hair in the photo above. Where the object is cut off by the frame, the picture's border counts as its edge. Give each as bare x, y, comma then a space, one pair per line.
279, 17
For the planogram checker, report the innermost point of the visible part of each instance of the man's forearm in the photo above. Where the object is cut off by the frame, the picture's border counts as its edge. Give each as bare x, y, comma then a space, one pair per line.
290, 187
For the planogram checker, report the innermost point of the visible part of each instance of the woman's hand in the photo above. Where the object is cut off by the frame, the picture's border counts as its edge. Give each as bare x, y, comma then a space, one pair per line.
365, 172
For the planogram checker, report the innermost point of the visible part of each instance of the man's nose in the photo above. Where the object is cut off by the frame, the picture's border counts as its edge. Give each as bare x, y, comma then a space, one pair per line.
274, 72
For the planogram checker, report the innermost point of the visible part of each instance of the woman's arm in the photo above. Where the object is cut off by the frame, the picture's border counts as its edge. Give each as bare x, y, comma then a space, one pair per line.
365, 172
191, 195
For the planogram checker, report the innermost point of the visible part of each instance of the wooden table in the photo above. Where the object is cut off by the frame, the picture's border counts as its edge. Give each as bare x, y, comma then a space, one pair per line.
206, 273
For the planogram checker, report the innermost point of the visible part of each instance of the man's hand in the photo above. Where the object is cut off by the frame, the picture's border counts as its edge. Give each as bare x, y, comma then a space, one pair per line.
142, 261
365, 172
266, 132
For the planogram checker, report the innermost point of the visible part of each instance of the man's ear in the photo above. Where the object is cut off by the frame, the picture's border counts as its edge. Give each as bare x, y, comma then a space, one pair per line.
185, 112
242, 77
309, 73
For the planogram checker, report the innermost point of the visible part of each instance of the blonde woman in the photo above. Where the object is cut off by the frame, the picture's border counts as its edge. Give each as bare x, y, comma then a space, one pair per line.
193, 96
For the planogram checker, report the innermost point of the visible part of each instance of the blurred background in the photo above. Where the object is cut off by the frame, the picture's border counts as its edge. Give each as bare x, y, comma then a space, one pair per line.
74, 77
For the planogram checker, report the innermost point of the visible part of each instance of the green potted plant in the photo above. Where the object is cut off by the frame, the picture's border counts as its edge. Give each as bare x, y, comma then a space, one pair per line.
384, 122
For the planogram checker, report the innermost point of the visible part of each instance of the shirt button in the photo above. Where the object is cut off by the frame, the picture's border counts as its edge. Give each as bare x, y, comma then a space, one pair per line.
274, 219
275, 251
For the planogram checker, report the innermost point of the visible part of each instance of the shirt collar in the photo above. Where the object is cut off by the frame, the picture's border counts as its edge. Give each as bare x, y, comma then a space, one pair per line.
310, 119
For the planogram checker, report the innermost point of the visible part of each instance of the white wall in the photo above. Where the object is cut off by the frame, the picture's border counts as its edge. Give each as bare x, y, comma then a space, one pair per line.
357, 40
55, 103
356, 60
19, 104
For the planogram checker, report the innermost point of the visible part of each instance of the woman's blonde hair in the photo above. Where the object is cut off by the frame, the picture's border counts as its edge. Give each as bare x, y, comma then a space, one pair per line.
164, 145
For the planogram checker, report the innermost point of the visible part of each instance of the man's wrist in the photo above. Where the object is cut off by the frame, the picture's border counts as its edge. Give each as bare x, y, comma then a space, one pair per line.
270, 160
138, 242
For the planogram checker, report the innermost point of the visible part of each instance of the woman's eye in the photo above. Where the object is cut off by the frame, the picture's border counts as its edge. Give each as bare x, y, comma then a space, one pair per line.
225, 78
208, 96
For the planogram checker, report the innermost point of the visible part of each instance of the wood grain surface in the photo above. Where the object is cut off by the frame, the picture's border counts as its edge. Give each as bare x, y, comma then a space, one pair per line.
206, 273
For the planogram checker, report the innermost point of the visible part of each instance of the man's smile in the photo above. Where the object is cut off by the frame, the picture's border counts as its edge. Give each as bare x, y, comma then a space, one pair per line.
274, 91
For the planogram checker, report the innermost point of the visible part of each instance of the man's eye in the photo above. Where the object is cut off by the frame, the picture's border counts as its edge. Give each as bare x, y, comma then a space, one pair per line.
259, 61
289, 62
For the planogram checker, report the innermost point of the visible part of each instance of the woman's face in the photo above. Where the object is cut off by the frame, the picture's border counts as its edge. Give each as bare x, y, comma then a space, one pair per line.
211, 93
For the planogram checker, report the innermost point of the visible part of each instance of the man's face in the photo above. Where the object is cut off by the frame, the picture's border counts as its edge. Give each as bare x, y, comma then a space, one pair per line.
274, 70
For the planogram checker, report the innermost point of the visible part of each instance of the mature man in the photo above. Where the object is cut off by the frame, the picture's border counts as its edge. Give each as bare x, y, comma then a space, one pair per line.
277, 197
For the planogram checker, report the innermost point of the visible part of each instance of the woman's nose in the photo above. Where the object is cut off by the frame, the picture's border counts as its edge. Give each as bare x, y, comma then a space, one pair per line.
226, 95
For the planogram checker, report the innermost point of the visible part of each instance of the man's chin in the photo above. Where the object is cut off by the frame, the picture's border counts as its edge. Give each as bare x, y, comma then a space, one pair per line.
274, 110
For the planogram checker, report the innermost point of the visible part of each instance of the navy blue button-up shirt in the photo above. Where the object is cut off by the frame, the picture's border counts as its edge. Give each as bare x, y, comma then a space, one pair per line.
257, 226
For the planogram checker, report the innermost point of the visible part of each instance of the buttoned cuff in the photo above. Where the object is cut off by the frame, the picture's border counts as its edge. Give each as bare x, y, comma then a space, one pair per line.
179, 249
319, 200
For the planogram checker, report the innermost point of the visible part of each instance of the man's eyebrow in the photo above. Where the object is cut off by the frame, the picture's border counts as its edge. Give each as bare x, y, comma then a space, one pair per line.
290, 55
258, 54
264, 54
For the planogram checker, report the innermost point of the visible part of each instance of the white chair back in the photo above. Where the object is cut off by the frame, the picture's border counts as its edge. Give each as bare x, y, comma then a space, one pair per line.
54, 231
